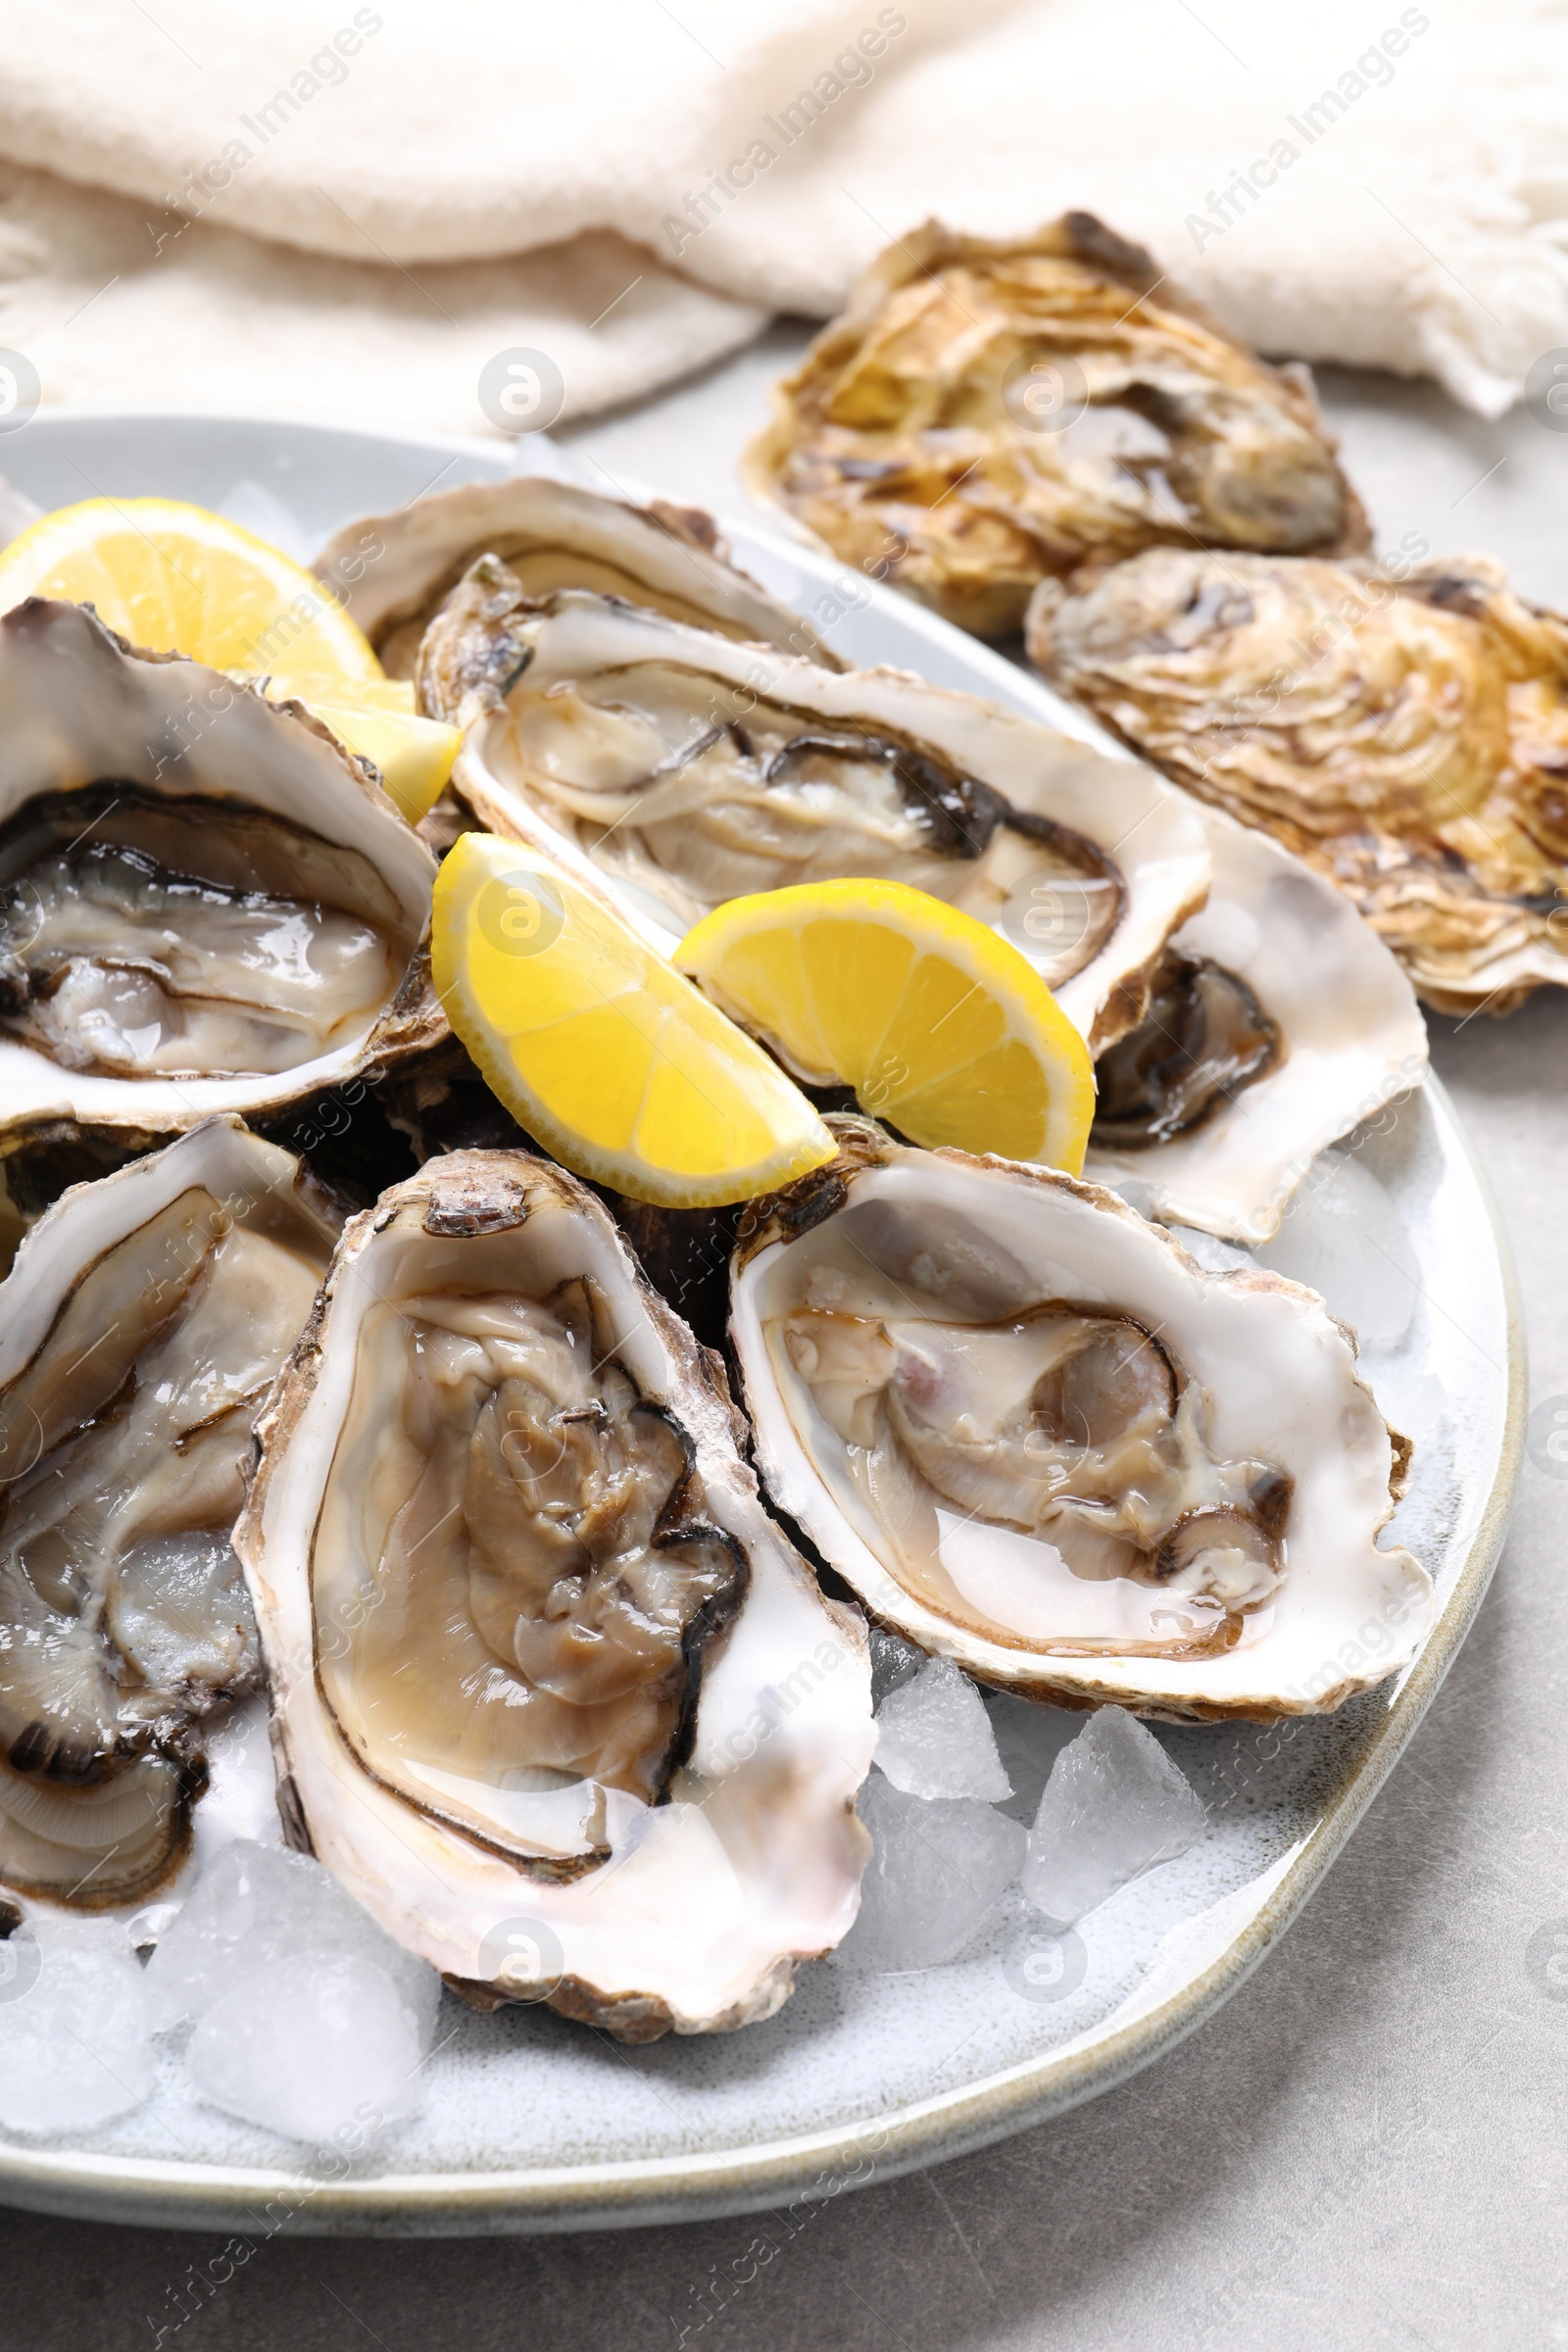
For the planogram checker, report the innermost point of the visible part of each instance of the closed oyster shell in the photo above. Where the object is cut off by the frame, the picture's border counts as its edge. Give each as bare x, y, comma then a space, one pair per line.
988, 414
547, 1680
1035, 1438
140, 1330
393, 571
1406, 736
207, 905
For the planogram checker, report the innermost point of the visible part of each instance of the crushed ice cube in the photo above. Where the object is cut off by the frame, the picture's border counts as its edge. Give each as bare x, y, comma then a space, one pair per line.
1029, 1738
1138, 1192
934, 1738
308, 2045
305, 2009
1342, 1236
241, 1799
75, 2025
893, 1661
259, 1905
1114, 1806
938, 1868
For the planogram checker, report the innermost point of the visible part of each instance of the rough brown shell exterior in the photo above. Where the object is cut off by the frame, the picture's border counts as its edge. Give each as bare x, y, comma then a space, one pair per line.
904, 439
1406, 735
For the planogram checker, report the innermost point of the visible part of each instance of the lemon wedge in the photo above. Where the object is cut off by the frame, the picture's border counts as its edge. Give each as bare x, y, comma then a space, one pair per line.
599, 1048
393, 698
940, 1026
414, 755
179, 579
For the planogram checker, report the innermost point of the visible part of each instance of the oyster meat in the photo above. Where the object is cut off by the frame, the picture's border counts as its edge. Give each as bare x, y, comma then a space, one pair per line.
206, 903
1277, 1022
671, 770
1035, 1438
140, 1329
985, 416
122, 958
1406, 736
394, 571
538, 1656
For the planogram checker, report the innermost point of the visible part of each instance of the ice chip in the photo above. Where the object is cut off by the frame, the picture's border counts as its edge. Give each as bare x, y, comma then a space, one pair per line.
241, 1799
256, 1906
1114, 1806
938, 1868
1029, 1738
317, 2047
893, 1661
934, 1738
1342, 1236
75, 2026
1138, 1192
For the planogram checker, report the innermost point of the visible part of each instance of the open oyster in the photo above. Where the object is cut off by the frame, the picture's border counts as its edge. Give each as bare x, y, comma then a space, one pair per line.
1406, 736
1037, 1438
140, 1329
671, 770
545, 1675
395, 571
985, 416
206, 903
1277, 1022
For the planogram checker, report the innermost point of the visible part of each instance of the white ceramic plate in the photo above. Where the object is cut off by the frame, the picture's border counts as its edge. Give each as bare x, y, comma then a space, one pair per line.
532, 2123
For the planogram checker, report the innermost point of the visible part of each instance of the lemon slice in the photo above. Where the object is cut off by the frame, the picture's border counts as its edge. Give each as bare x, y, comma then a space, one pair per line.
941, 1027
414, 755
179, 579
595, 1045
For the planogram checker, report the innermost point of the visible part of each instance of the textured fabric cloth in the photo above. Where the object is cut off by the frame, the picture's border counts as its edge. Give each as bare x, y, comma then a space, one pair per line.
348, 211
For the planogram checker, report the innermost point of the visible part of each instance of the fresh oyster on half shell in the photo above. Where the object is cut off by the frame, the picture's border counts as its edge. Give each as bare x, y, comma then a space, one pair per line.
671, 770
1037, 1438
1278, 1021
545, 1675
140, 1330
985, 416
1406, 736
205, 902
394, 571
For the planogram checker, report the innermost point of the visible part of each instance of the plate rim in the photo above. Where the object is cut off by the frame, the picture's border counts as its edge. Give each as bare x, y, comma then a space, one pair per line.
804, 2167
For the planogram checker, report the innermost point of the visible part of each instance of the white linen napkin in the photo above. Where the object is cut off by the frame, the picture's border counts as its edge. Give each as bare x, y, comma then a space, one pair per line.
368, 212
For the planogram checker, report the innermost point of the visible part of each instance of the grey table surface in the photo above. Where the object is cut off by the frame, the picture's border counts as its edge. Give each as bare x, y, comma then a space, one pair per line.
1369, 2144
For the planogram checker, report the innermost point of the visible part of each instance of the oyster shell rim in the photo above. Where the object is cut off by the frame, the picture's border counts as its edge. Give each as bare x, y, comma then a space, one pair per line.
689, 529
